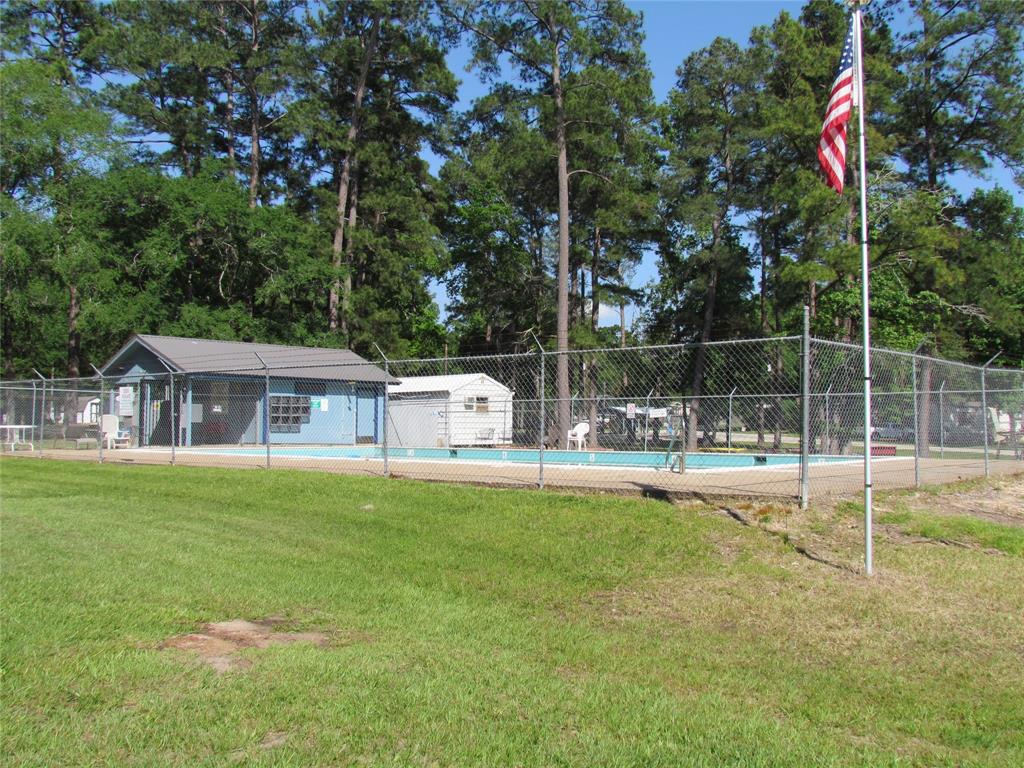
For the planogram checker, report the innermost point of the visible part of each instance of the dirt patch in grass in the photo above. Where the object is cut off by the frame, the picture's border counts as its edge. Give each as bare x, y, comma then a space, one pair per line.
982, 515
219, 643
1002, 502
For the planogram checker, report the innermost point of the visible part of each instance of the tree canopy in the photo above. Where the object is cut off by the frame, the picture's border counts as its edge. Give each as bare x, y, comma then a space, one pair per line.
256, 170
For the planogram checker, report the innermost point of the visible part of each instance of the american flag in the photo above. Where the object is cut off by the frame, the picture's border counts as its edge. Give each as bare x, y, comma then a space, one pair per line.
832, 145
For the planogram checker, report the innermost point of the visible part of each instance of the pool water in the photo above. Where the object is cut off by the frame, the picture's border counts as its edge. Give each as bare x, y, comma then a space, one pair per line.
649, 459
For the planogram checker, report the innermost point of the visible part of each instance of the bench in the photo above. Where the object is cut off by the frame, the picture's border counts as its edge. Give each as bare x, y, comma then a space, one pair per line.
883, 450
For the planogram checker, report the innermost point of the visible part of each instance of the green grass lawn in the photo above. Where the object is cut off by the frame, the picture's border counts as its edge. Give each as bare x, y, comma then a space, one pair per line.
481, 627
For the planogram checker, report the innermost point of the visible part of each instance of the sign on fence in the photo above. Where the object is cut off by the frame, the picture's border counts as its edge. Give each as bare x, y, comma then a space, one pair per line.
126, 401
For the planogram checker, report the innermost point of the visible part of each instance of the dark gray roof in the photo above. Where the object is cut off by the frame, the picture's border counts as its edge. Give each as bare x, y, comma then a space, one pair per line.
240, 358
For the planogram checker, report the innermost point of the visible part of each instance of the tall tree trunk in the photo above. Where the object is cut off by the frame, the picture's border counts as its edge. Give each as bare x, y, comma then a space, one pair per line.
700, 363
254, 109
592, 370
254, 153
346, 169
7, 335
622, 340
705, 335
74, 334
538, 279
229, 118
763, 292
229, 88
574, 294
562, 325
595, 267
346, 292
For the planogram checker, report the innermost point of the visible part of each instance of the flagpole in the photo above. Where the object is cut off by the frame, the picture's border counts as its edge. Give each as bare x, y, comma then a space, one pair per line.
865, 292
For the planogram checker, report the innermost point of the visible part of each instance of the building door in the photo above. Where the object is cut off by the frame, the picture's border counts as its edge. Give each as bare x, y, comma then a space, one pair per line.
366, 415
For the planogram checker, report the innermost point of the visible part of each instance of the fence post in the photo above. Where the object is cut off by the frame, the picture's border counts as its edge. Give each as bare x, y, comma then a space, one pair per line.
805, 412
647, 417
917, 425
174, 428
387, 397
42, 415
266, 406
170, 375
99, 432
387, 414
828, 421
541, 420
984, 407
35, 440
728, 424
942, 422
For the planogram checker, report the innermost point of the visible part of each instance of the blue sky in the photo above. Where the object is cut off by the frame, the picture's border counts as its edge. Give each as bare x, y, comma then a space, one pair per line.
674, 29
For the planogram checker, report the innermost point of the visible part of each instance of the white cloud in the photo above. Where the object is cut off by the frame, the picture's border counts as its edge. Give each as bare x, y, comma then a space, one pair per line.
609, 315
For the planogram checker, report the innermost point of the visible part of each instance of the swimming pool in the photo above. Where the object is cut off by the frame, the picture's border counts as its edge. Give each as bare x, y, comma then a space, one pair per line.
636, 459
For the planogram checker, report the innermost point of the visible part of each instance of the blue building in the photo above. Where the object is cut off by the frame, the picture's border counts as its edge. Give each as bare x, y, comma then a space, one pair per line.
196, 392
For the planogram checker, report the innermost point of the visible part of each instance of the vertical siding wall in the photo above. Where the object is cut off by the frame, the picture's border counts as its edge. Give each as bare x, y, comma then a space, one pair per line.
332, 423
474, 427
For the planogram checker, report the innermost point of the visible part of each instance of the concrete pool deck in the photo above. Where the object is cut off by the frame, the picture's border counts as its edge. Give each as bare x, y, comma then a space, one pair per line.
831, 479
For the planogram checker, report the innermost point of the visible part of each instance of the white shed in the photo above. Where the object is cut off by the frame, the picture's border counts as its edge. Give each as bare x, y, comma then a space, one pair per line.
449, 411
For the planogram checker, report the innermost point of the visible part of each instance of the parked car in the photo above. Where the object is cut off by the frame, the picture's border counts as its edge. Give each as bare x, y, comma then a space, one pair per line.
892, 432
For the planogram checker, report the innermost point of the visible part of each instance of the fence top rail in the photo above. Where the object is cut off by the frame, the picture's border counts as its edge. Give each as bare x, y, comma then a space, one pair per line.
638, 348
255, 369
917, 356
679, 346
23, 387
464, 358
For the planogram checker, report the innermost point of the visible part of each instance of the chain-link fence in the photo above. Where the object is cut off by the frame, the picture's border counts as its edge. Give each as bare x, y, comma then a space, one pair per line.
725, 418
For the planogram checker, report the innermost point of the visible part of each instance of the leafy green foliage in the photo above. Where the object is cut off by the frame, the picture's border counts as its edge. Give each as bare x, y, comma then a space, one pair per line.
177, 168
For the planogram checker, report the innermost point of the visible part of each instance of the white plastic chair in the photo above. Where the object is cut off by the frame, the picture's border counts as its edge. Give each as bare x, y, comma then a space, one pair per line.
578, 435
111, 434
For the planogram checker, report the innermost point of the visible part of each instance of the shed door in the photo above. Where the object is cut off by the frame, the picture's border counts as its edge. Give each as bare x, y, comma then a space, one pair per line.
366, 415
414, 421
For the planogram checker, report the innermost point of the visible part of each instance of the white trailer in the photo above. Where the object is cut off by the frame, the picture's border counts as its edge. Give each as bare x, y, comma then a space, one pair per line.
449, 411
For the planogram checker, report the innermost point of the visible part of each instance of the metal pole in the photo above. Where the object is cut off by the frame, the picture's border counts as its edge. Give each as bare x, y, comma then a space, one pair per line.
170, 375
42, 415
828, 421
174, 431
100, 425
647, 417
541, 404
865, 292
917, 437
728, 426
387, 415
942, 425
805, 412
266, 405
387, 376
984, 407
34, 438
543, 418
